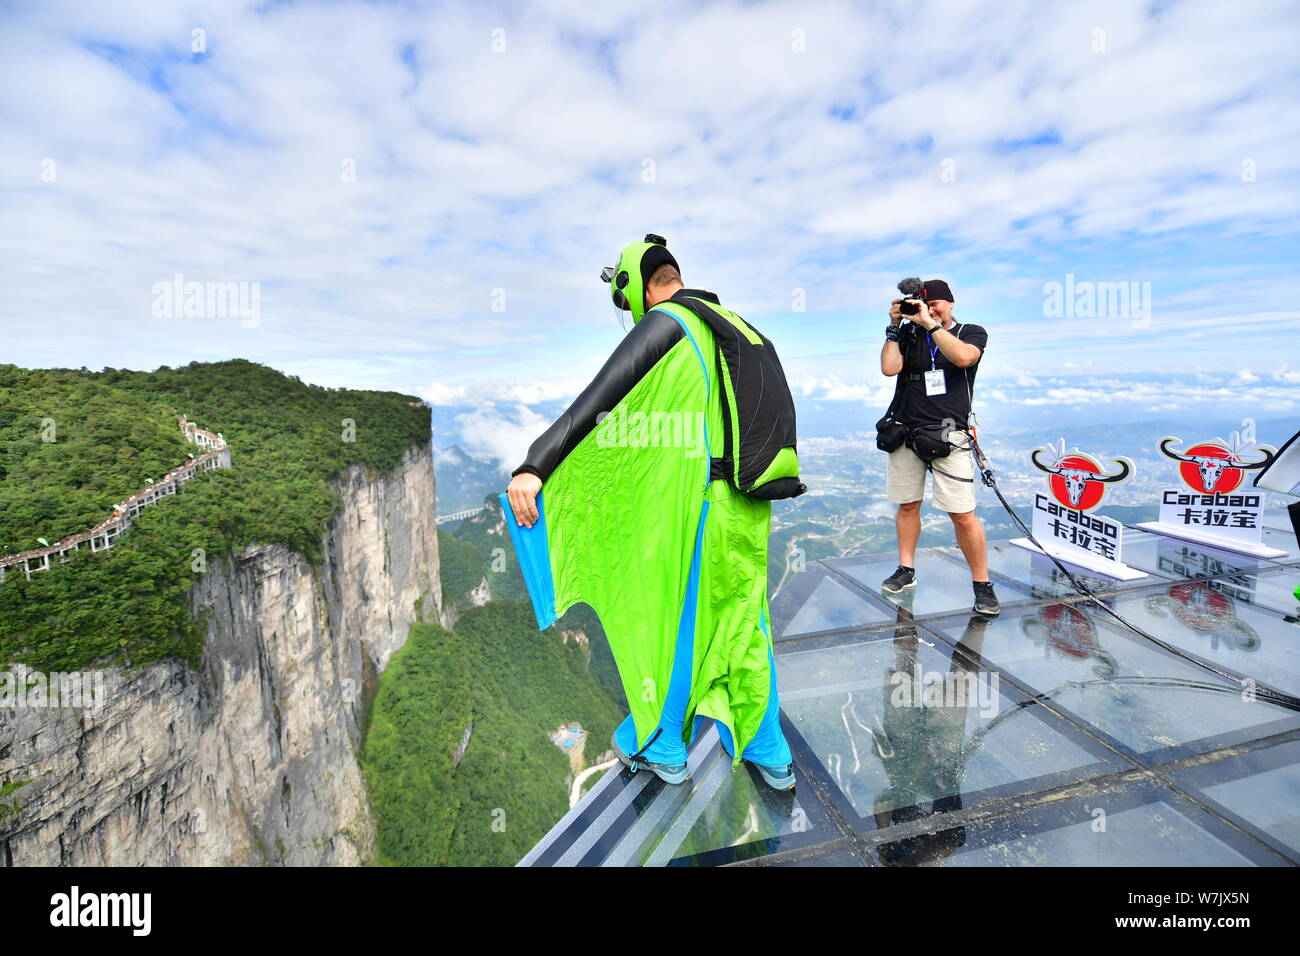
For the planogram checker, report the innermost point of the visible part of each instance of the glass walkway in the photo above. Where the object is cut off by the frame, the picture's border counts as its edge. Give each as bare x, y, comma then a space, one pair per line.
1050, 735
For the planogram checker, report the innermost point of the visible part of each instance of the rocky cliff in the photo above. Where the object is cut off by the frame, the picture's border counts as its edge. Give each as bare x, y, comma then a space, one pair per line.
251, 758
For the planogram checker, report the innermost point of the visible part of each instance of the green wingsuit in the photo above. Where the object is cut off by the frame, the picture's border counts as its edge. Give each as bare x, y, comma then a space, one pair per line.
673, 563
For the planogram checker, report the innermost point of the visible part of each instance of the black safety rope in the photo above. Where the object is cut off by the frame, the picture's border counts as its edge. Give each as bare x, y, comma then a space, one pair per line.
1280, 698
986, 473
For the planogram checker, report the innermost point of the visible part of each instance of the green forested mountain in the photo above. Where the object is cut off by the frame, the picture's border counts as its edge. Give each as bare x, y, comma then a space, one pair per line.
74, 443
115, 428
71, 448
480, 550
505, 683
487, 534
497, 677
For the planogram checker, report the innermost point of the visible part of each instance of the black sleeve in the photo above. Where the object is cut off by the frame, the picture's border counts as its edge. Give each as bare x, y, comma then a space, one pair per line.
975, 335
648, 342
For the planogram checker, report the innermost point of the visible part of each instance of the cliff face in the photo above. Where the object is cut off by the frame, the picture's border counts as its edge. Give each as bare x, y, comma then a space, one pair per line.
250, 759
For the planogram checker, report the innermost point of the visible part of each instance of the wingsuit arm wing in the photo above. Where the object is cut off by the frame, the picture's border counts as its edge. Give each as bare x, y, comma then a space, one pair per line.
648, 342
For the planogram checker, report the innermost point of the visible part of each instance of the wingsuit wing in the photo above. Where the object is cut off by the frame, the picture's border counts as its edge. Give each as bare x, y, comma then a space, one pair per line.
622, 505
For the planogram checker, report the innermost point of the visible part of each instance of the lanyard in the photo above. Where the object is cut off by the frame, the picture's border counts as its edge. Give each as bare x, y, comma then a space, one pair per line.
934, 349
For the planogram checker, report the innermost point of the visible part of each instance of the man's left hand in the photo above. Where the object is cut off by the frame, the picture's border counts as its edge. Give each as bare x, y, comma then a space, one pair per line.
923, 318
522, 495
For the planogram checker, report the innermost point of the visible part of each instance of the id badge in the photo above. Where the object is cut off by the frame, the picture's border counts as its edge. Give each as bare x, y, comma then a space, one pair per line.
934, 383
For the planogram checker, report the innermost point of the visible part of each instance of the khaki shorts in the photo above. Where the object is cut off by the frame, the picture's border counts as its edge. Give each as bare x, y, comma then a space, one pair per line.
954, 477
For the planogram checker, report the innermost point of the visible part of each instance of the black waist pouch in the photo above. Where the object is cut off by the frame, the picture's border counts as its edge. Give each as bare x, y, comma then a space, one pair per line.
929, 442
890, 434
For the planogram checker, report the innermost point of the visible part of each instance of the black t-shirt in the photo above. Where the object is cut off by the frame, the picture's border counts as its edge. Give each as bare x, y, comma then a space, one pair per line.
916, 407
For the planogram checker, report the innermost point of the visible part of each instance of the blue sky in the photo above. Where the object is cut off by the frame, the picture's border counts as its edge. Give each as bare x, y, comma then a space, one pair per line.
812, 152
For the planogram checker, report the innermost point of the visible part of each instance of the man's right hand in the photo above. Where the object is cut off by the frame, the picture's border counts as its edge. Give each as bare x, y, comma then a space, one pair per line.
522, 495
895, 317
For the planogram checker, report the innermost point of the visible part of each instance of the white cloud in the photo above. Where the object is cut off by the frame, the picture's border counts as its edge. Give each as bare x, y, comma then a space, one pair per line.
521, 171
525, 393
488, 433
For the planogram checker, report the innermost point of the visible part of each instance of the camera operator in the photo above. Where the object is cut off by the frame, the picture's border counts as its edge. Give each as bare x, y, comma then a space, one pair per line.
936, 359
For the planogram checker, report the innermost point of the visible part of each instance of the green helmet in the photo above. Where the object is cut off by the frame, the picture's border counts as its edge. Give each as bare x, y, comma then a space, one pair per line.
636, 265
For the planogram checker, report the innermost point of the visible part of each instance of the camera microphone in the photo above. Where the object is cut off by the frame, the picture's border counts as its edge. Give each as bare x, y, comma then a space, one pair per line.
910, 289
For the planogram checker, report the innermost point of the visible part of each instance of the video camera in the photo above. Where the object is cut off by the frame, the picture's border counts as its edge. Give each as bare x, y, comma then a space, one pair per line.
910, 289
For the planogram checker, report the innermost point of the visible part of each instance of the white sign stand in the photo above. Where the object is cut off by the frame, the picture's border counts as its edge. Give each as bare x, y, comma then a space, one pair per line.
1080, 557
1255, 549
1227, 510
1088, 562
1067, 530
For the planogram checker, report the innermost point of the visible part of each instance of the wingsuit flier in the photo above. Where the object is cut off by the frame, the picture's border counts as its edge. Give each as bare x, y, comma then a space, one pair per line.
615, 507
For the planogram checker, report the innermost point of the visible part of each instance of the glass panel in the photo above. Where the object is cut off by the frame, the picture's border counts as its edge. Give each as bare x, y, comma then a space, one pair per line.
833, 606
942, 585
1145, 698
1208, 620
900, 722
1174, 558
837, 858
1153, 834
720, 816
1037, 574
1262, 788
1276, 591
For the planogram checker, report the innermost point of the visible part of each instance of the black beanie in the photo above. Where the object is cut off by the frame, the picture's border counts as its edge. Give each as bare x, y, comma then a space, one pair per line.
654, 257
936, 289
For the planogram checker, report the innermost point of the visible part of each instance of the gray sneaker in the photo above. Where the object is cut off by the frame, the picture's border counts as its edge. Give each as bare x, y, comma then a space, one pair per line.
667, 772
778, 778
900, 580
986, 602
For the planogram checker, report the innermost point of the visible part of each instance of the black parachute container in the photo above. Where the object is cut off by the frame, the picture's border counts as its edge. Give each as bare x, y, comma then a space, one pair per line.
759, 454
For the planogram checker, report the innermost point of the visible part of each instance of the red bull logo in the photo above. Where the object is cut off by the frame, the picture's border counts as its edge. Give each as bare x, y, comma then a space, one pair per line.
1078, 481
1211, 467
1070, 632
1206, 611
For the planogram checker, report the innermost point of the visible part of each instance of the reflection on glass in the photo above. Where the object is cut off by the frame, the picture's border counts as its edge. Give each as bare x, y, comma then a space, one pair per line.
1207, 619
830, 607
904, 727
1145, 698
1154, 834
742, 812
716, 809
1174, 558
942, 585
1042, 578
1065, 630
1277, 591
1205, 611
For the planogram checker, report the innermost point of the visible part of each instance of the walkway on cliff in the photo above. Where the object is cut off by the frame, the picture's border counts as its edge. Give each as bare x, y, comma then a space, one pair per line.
105, 534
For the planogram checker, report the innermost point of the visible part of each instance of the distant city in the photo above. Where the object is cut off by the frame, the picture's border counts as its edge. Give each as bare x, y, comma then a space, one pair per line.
845, 510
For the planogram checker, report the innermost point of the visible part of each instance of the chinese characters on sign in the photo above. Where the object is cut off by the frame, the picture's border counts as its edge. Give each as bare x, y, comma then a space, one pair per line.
1213, 505
1057, 524
1234, 516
